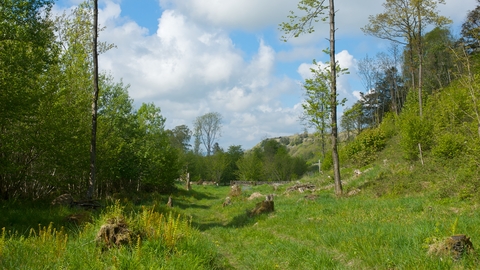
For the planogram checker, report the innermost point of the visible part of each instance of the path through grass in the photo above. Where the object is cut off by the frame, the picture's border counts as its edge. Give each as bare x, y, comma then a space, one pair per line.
358, 232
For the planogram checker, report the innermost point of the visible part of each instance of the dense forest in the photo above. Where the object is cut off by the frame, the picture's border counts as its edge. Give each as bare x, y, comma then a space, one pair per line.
423, 91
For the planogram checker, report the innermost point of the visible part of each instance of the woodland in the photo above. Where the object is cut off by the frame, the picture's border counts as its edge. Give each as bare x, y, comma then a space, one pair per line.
410, 145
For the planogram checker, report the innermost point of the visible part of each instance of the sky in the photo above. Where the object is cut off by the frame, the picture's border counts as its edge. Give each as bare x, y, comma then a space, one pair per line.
192, 57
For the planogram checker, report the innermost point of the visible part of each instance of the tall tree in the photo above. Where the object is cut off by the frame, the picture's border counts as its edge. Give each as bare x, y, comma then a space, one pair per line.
180, 137
207, 129
28, 56
93, 143
403, 21
369, 69
471, 30
315, 11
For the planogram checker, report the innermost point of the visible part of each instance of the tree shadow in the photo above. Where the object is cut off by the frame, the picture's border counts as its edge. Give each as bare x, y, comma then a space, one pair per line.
241, 220
194, 193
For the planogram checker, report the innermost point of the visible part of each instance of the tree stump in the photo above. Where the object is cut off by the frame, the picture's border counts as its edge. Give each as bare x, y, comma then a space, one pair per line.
227, 201
455, 246
458, 245
266, 206
114, 233
235, 191
170, 202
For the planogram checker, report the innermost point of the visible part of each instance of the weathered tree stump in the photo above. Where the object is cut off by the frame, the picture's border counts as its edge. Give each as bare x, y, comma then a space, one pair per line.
455, 246
266, 206
113, 234
235, 191
227, 201
170, 202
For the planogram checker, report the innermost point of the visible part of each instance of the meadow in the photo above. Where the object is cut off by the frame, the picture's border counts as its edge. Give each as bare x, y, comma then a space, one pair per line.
307, 230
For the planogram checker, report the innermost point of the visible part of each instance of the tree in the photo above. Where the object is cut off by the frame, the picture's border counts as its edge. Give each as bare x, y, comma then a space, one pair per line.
93, 142
471, 30
353, 119
368, 70
180, 137
158, 159
28, 55
403, 22
234, 153
118, 139
316, 108
438, 59
301, 25
207, 128
250, 166
216, 165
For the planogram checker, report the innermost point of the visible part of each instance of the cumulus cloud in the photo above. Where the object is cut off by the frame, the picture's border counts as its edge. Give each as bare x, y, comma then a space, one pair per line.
248, 15
188, 69
190, 65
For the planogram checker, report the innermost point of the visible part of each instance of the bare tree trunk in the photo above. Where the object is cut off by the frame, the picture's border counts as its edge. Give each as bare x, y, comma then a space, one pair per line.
420, 60
333, 70
93, 143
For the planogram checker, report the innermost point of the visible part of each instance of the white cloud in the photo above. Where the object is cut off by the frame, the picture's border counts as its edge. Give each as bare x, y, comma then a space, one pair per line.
189, 69
190, 66
234, 14
357, 95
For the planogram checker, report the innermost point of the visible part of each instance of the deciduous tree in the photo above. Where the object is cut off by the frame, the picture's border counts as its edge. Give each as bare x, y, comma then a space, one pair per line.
403, 21
314, 11
207, 129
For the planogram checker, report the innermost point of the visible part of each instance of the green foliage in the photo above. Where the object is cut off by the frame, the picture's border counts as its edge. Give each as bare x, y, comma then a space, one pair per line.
389, 125
415, 133
327, 162
363, 150
207, 129
449, 146
314, 12
250, 167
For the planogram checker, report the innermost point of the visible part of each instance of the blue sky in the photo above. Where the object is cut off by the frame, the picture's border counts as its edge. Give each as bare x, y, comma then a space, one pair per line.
191, 57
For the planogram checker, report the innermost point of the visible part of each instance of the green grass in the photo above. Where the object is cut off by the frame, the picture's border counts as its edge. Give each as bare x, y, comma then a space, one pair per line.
375, 229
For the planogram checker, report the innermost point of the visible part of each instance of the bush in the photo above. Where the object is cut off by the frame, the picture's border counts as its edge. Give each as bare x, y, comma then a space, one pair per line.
415, 131
363, 150
448, 146
388, 125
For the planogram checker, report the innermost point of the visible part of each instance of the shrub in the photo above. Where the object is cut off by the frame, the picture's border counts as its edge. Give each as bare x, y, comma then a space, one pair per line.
363, 150
448, 146
415, 131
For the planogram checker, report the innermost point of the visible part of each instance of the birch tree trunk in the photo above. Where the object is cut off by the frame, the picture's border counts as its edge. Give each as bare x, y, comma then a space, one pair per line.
93, 143
333, 70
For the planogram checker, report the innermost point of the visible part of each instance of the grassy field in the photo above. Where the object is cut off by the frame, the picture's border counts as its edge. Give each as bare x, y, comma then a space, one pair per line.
309, 230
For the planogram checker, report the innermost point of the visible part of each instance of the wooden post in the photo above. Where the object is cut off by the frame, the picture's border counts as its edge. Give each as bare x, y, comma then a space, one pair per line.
421, 156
